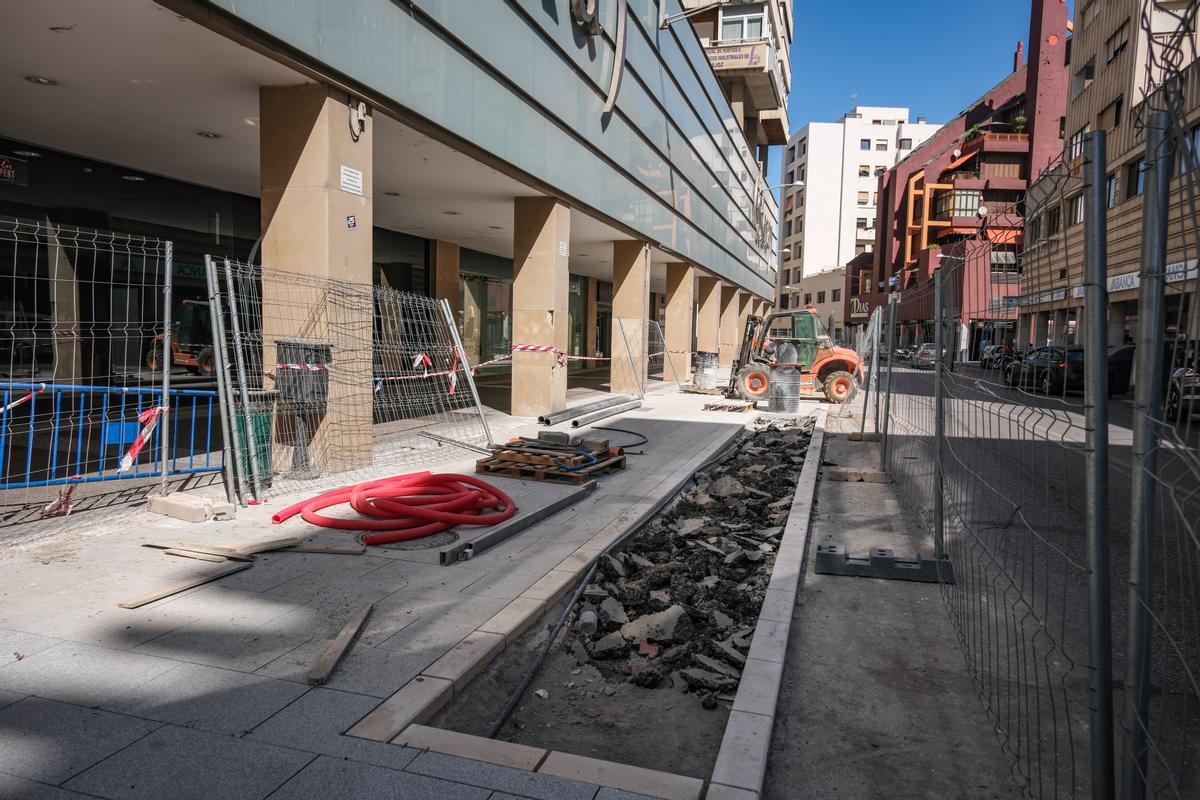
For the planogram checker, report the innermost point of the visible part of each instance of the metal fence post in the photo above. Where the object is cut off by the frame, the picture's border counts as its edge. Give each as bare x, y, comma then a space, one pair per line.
448, 315
164, 419
876, 365
1095, 257
939, 422
247, 413
887, 397
872, 372
224, 406
1147, 409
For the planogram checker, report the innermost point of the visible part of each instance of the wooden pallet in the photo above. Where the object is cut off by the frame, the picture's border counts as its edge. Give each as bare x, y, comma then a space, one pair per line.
729, 405
500, 465
537, 459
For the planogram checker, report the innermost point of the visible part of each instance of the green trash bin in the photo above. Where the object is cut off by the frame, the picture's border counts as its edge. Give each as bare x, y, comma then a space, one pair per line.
260, 415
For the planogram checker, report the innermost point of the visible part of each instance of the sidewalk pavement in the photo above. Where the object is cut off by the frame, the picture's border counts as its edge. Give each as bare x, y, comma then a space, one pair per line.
203, 695
876, 700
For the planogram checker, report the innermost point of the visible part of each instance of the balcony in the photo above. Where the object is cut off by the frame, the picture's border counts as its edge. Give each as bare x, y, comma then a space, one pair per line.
1001, 142
754, 62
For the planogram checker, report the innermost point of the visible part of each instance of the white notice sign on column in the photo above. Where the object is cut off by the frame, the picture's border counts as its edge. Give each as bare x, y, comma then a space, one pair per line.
352, 180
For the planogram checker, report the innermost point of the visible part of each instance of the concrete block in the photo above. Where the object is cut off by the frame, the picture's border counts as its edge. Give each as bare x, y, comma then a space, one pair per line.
515, 618
717, 791
209, 698
758, 691
856, 475
190, 507
466, 659
184, 764
551, 586
48, 741
415, 702
770, 641
315, 722
491, 751
533, 785
333, 778
777, 606
742, 760
622, 776
868, 436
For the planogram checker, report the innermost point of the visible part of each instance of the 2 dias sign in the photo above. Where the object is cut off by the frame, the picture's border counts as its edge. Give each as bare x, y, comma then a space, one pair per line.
859, 308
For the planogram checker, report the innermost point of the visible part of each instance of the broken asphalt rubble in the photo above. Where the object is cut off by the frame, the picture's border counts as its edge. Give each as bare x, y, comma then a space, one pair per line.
677, 605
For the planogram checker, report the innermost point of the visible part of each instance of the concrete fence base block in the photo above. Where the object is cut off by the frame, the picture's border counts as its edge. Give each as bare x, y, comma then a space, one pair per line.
857, 475
866, 437
190, 507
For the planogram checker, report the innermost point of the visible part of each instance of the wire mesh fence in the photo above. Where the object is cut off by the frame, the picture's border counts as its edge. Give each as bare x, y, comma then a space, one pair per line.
334, 379
1053, 456
659, 364
87, 415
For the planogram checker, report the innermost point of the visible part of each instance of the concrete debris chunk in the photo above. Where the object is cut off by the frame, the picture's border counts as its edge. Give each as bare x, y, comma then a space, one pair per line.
686, 527
672, 625
706, 680
612, 567
728, 486
613, 613
611, 646
713, 665
728, 652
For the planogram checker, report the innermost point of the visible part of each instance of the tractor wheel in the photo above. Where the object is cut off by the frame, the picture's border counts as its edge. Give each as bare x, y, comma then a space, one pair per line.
752, 382
839, 387
204, 362
154, 357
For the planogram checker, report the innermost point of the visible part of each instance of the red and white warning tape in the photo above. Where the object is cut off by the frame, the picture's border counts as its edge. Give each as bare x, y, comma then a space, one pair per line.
149, 420
23, 400
60, 505
305, 367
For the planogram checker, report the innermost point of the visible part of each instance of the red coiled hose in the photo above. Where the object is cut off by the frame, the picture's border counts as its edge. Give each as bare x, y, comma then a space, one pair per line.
408, 506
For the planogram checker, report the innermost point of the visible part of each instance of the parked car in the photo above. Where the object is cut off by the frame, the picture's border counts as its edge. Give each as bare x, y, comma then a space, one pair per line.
926, 357
903, 354
1050, 370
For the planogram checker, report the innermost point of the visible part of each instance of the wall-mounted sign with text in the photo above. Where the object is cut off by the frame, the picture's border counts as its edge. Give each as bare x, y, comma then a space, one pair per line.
14, 170
740, 56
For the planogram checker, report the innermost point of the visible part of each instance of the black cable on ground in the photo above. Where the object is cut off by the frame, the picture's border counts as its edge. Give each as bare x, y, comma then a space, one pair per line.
642, 436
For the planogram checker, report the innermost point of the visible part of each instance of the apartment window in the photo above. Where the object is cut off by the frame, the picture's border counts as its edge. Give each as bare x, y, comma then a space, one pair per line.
783, 302
799, 250
1135, 178
808, 298
1090, 13
1187, 156
800, 199
1075, 204
864, 198
1110, 188
881, 145
835, 295
1033, 230
906, 144
791, 176
1111, 116
820, 297
1083, 78
864, 144
1117, 43
960, 203
1075, 145
787, 227
791, 153
866, 284
803, 174
879, 171
1053, 221
804, 147
787, 254
864, 170
743, 22
787, 276
859, 249
1004, 264
862, 223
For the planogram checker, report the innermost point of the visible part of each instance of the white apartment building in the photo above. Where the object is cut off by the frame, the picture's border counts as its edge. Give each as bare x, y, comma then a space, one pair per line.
831, 219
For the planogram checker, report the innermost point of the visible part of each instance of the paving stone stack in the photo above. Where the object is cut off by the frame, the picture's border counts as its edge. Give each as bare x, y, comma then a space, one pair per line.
678, 604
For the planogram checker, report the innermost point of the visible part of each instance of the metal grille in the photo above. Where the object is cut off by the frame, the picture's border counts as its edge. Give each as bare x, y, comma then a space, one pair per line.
336, 378
85, 374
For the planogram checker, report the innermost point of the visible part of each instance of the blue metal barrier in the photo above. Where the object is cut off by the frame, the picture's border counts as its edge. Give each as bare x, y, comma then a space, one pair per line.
54, 434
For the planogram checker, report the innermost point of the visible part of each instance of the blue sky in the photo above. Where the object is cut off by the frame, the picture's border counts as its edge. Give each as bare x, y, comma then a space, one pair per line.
891, 53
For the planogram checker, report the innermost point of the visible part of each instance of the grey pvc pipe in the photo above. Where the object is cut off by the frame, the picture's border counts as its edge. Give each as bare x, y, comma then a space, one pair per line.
595, 405
604, 413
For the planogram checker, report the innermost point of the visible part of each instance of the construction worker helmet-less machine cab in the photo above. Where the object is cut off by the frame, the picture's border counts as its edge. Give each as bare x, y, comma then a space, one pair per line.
793, 339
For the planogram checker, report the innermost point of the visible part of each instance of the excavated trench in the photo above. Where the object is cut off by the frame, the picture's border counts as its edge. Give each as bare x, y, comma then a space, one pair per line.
674, 607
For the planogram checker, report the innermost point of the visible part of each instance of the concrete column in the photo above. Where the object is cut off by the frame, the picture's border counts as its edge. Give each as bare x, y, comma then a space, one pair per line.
1041, 328
1023, 325
708, 317
631, 298
745, 302
730, 335
1060, 326
1116, 324
541, 281
445, 277
681, 311
590, 331
68, 327
472, 320
316, 175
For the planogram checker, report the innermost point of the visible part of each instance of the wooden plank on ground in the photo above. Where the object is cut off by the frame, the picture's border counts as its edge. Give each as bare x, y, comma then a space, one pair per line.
201, 548
183, 586
325, 665
259, 547
196, 555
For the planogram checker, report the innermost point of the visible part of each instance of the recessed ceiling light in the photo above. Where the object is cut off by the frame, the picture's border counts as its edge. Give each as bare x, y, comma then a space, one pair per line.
392, 194
40, 81
208, 135
252, 121
450, 213
133, 178
27, 153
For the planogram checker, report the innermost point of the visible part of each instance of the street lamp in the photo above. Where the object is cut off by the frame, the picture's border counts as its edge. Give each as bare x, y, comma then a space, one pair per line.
792, 185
